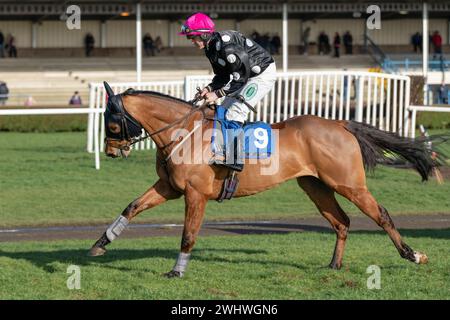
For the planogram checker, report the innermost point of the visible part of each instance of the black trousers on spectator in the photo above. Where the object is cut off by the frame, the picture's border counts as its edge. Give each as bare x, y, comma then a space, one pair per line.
12, 52
336, 52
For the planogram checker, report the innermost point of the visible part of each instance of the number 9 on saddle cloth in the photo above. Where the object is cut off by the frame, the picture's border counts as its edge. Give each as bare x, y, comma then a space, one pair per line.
231, 143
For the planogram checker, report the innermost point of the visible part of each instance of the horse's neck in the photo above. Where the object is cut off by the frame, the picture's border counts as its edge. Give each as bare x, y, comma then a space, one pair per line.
156, 113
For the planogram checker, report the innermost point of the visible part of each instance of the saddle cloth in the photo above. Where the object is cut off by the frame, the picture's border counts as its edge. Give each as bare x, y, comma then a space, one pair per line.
256, 137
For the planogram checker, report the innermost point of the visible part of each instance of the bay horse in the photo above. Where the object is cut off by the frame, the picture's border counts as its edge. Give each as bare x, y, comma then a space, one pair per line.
324, 156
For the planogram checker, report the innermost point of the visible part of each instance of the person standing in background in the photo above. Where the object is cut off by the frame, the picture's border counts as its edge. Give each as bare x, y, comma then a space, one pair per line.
416, 41
337, 44
348, 42
275, 44
158, 44
149, 47
437, 44
12, 50
89, 44
75, 99
322, 43
305, 39
4, 91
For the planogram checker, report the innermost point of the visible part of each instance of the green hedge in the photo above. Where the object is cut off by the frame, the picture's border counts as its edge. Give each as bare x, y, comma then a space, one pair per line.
433, 120
43, 123
61, 123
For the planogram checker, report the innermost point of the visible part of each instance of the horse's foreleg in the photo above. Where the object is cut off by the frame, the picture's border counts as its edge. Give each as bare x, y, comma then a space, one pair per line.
160, 192
194, 213
323, 198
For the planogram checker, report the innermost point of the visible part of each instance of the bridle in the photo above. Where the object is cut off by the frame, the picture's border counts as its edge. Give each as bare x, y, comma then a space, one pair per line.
127, 121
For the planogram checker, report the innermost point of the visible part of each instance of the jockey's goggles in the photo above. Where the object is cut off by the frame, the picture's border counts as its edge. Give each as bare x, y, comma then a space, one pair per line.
186, 30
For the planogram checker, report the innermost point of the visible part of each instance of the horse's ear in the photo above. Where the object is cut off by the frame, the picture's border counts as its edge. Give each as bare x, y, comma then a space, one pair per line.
108, 89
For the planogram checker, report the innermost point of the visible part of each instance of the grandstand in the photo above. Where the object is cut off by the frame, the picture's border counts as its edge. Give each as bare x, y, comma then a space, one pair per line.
51, 82
51, 63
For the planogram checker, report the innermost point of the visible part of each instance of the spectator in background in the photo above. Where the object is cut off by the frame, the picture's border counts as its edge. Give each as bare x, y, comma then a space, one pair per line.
416, 41
256, 37
275, 44
75, 99
2, 45
30, 101
348, 42
4, 91
327, 44
337, 44
437, 44
265, 41
158, 44
89, 44
442, 94
149, 46
12, 50
322, 43
305, 39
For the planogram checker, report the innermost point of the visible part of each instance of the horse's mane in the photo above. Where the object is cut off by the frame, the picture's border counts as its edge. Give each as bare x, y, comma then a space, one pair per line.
131, 91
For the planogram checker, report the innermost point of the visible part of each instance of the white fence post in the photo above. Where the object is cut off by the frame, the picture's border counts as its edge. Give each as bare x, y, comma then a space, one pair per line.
407, 101
360, 99
90, 122
187, 87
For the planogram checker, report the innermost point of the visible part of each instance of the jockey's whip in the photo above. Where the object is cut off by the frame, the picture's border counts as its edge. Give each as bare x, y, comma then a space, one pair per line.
242, 99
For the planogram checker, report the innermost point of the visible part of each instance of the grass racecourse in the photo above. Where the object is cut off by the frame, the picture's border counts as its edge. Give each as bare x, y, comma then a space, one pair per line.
48, 179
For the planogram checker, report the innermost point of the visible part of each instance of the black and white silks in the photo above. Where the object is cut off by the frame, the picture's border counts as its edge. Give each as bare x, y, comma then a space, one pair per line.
230, 53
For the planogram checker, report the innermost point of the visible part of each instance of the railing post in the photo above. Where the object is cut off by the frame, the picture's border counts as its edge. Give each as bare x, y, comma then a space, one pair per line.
360, 102
407, 112
96, 142
187, 85
90, 121
413, 123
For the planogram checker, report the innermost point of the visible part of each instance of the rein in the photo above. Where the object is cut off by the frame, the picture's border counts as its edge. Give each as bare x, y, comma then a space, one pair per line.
170, 125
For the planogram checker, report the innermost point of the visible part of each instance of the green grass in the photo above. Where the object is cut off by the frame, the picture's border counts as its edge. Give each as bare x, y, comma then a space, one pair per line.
49, 179
282, 266
76, 123
44, 123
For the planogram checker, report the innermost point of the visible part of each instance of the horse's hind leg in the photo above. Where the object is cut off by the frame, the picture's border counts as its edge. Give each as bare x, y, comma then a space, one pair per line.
160, 192
323, 197
364, 200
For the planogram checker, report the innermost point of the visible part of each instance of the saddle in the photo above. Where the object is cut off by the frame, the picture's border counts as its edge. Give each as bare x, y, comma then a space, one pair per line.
232, 144
255, 138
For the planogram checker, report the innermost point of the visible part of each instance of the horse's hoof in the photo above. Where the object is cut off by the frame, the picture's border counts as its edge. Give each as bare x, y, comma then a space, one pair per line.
173, 274
335, 266
96, 251
421, 258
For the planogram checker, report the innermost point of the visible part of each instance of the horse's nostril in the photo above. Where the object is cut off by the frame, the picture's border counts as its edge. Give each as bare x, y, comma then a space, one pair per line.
111, 154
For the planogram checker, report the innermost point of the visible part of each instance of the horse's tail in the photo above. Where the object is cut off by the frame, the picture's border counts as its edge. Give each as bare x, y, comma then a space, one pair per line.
378, 146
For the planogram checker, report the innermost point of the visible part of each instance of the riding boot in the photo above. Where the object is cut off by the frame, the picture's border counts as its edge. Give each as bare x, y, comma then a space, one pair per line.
234, 144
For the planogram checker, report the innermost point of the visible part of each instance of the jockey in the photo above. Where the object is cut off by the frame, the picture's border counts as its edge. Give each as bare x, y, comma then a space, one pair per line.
232, 55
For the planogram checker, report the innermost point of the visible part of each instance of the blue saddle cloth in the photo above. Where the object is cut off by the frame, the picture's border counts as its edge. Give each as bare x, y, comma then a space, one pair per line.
257, 142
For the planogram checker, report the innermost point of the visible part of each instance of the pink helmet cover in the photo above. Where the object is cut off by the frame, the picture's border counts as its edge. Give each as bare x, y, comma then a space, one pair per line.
197, 24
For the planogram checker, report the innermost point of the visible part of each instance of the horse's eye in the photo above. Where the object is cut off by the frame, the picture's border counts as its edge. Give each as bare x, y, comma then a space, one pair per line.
114, 127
